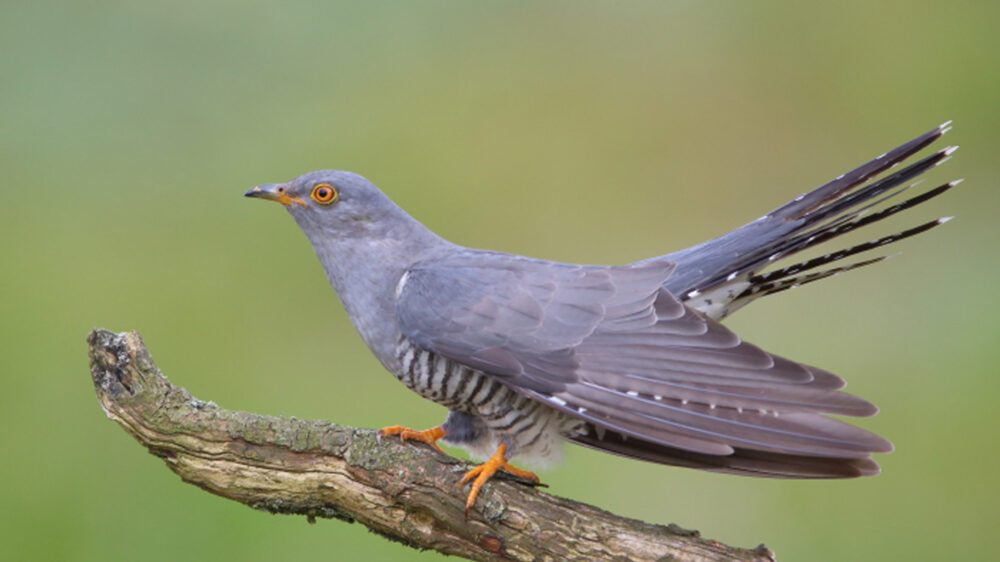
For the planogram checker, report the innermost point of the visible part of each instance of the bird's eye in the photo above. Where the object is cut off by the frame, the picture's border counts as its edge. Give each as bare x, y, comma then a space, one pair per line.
324, 194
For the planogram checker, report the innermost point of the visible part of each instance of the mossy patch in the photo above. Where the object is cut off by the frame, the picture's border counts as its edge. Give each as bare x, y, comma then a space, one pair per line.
366, 451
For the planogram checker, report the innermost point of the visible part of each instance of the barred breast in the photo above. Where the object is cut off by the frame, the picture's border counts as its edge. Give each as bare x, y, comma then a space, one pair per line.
485, 412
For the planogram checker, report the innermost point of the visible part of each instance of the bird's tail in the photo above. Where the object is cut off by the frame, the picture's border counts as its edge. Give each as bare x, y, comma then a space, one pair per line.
719, 276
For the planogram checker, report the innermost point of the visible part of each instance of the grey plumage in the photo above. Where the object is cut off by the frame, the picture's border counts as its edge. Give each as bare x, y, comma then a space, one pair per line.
630, 359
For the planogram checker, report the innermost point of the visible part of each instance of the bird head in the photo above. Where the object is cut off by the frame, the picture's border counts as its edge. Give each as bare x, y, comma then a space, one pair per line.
332, 203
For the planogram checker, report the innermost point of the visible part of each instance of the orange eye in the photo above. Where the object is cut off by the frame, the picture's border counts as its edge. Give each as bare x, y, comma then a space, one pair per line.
324, 194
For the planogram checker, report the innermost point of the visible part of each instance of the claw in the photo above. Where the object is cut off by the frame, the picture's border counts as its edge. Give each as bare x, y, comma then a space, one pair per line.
428, 436
485, 471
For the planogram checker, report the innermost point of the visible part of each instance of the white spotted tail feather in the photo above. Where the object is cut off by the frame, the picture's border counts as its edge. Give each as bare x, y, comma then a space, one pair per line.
722, 275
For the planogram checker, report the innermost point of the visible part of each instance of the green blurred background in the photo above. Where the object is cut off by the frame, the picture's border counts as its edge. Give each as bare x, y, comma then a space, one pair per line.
579, 131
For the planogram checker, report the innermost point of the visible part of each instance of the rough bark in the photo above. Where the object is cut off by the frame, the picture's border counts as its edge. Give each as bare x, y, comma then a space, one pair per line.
405, 492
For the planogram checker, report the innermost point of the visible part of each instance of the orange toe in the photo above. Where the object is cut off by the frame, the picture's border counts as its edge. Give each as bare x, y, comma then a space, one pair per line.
482, 473
526, 474
428, 436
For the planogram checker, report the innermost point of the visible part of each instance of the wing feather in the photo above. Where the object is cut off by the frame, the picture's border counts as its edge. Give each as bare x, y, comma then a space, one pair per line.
611, 346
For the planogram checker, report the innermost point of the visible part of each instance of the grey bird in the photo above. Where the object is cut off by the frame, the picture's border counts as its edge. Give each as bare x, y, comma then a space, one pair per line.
631, 359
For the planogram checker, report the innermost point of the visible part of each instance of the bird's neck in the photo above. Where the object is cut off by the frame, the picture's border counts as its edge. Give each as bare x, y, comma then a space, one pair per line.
364, 272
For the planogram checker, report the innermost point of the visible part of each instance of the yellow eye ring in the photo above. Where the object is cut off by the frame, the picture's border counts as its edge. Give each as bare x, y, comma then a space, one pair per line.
324, 194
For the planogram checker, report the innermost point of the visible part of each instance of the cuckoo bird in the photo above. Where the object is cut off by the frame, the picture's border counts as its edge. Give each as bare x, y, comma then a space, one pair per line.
632, 359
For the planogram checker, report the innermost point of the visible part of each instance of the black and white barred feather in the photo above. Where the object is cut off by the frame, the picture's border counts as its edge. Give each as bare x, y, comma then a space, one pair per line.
484, 411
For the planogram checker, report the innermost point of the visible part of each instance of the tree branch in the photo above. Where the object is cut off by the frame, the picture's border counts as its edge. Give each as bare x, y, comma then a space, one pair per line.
405, 492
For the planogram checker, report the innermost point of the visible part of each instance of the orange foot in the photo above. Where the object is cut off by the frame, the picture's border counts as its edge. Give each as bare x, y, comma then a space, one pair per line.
429, 436
485, 471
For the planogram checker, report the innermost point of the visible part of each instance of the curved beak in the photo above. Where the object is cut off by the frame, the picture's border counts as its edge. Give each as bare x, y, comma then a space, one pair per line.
274, 192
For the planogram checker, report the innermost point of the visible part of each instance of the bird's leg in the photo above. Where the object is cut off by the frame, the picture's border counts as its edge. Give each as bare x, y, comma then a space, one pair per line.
485, 471
429, 436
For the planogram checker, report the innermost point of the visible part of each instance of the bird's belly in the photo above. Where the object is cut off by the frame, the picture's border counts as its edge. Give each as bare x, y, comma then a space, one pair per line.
532, 430
441, 380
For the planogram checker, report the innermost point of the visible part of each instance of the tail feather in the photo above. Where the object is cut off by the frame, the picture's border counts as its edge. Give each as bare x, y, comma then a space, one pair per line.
846, 252
857, 219
724, 274
877, 188
843, 183
760, 288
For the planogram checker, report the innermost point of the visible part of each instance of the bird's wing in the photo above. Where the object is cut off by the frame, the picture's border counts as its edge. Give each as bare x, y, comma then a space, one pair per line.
611, 346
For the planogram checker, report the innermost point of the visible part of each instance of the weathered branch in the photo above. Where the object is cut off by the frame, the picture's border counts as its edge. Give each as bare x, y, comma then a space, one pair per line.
405, 492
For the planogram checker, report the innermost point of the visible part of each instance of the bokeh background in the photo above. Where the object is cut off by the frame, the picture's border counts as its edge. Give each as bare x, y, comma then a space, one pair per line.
578, 131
